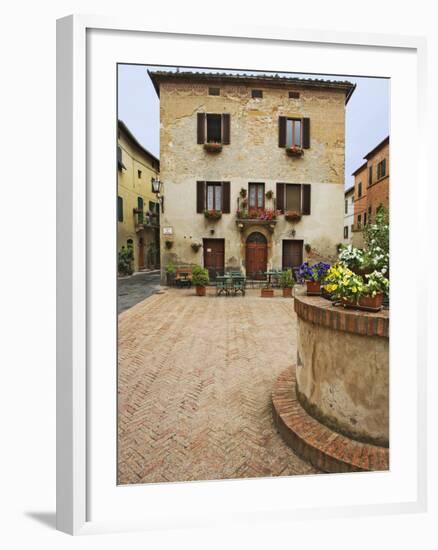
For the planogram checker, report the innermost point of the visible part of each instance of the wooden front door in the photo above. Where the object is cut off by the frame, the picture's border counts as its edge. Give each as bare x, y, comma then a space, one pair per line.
140, 253
214, 254
292, 253
256, 256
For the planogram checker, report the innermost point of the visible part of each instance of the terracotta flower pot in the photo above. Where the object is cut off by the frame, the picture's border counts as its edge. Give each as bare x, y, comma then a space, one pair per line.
371, 303
313, 288
200, 290
349, 303
267, 292
287, 292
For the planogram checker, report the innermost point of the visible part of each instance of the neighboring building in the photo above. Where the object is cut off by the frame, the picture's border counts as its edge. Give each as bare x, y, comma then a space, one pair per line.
224, 147
348, 215
138, 212
371, 188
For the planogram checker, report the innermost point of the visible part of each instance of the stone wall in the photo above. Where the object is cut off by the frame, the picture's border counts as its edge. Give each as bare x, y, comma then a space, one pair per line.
253, 155
343, 368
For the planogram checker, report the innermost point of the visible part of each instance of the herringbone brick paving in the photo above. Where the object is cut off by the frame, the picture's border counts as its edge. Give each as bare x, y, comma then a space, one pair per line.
195, 380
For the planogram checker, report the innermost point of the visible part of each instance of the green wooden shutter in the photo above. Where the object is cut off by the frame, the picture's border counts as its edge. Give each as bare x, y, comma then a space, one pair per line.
119, 209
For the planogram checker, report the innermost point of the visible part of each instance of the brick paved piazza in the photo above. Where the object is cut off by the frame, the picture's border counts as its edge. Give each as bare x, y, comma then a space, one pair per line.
195, 382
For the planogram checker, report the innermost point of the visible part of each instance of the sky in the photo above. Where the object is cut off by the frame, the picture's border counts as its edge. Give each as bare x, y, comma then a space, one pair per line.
367, 112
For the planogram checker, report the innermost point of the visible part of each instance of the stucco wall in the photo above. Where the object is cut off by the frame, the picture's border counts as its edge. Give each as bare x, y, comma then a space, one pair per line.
130, 187
343, 380
252, 156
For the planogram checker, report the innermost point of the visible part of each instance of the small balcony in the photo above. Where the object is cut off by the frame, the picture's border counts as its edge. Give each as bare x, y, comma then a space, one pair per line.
145, 220
246, 216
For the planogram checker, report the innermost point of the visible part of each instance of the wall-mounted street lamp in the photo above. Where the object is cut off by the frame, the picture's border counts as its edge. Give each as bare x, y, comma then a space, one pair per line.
156, 189
156, 186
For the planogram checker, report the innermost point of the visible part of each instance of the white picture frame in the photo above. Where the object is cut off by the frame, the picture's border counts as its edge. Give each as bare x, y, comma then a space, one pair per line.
76, 359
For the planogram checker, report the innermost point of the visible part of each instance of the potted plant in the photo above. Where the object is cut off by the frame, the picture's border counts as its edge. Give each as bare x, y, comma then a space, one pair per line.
213, 214
243, 192
294, 151
213, 146
267, 292
287, 282
200, 279
196, 246
292, 216
269, 194
170, 274
344, 285
313, 276
308, 248
373, 292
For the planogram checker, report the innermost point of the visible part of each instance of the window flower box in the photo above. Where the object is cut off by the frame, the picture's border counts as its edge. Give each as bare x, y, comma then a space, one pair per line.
213, 147
313, 288
213, 214
294, 151
371, 303
267, 292
292, 216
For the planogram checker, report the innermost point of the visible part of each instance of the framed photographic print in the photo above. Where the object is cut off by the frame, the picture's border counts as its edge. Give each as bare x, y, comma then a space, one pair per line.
233, 341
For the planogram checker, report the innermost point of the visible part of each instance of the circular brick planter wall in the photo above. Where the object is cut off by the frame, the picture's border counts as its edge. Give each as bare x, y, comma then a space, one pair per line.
343, 368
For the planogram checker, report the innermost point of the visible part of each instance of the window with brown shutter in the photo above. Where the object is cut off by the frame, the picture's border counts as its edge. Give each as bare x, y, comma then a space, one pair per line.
213, 128
213, 195
201, 128
200, 197
226, 129
294, 197
280, 197
294, 132
225, 197
282, 131
306, 133
306, 188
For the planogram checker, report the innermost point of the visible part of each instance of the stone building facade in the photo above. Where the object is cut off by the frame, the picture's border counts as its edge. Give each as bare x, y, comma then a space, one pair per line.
252, 169
371, 188
138, 215
348, 215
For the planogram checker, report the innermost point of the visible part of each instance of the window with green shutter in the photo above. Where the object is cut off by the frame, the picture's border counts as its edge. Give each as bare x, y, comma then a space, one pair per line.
119, 209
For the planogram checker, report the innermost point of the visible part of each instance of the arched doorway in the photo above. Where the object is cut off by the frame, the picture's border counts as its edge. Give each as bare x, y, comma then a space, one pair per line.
256, 256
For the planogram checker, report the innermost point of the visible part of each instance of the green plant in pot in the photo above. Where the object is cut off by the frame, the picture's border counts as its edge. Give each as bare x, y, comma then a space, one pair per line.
287, 283
200, 279
170, 273
344, 285
375, 288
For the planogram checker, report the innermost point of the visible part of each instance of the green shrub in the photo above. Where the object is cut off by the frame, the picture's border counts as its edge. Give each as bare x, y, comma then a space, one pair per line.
200, 276
170, 268
124, 261
287, 279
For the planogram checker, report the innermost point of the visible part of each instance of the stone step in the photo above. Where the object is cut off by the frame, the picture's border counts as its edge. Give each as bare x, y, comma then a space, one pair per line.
324, 448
